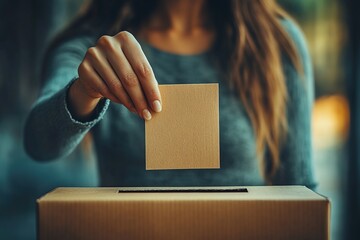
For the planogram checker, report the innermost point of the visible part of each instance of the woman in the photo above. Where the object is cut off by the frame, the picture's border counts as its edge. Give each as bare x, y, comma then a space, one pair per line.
102, 75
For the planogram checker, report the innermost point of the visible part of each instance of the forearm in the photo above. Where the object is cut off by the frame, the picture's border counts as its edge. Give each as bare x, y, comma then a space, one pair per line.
52, 132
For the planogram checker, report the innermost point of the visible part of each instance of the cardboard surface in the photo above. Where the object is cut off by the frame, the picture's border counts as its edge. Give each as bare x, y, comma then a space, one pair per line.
289, 212
185, 134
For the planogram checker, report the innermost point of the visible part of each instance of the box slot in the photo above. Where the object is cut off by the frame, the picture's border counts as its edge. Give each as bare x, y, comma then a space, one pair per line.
177, 189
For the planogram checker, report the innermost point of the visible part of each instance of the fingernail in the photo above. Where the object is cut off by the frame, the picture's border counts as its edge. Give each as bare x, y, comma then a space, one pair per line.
146, 114
157, 106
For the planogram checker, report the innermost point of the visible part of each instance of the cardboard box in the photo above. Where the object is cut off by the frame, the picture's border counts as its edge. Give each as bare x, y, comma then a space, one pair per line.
277, 212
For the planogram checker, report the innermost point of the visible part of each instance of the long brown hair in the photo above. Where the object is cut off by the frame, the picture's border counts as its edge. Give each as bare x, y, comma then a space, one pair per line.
249, 35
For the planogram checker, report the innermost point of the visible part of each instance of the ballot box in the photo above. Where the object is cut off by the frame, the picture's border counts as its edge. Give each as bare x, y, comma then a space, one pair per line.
261, 212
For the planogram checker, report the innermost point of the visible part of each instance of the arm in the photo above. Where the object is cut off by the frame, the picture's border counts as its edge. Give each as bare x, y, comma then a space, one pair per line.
296, 154
51, 131
115, 68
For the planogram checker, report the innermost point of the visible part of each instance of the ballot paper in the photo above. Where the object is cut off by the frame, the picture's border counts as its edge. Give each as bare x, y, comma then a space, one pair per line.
185, 135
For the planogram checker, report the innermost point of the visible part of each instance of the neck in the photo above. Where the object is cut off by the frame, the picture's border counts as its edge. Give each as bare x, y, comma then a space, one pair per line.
180, 15
179, 26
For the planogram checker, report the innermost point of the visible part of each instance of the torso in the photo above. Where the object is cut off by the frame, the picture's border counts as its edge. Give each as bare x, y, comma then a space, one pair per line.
120, 141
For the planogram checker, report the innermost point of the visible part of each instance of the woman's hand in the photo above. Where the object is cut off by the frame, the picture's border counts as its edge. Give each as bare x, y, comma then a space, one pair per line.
117, 69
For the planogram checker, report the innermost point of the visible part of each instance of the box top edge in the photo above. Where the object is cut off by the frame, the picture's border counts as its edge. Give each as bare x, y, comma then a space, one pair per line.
269, 193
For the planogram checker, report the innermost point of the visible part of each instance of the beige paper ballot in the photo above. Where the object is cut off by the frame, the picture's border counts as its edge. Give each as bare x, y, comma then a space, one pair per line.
185, 135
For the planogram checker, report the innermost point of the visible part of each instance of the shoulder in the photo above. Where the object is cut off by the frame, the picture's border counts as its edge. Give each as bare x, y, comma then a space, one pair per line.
298, 38
297, 81
293, 29
64, 55
65, 51
74, 44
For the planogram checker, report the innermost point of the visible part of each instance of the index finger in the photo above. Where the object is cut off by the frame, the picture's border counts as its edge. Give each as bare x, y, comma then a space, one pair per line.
141, 66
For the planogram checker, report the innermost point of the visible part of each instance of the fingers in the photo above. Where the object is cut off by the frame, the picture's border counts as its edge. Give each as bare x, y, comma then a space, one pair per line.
94, 85
117, 68
142, 69
107, 74
129, 81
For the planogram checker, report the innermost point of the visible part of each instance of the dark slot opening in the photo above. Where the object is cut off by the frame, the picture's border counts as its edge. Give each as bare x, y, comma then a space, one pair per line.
180, 189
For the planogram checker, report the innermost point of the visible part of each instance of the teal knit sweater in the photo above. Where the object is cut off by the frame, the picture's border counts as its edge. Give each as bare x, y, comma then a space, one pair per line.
52, 132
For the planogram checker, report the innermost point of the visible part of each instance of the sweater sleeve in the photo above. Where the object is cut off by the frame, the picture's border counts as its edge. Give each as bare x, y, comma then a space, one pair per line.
51, 131
296, 155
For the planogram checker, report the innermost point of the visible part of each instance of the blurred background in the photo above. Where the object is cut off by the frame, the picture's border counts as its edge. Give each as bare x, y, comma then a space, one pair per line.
26, 27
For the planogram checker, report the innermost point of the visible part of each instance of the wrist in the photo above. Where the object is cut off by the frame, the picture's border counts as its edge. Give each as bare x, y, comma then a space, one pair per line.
80, 104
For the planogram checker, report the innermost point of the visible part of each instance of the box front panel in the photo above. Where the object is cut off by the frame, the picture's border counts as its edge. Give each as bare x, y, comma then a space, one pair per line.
184, 220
